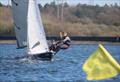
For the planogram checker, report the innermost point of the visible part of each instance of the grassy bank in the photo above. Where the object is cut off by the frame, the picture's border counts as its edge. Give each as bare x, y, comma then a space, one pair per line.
6, 22
53, 26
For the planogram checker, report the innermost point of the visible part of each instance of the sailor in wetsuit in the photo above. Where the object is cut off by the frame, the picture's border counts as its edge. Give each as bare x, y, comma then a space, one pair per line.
65, 40
63, 44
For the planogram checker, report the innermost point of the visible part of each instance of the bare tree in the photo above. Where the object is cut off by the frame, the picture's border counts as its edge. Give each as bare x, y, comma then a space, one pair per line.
58, 8
62, 11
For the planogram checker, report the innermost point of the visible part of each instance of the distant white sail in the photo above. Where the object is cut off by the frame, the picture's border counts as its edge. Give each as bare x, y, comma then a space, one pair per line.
28, 26
20, 11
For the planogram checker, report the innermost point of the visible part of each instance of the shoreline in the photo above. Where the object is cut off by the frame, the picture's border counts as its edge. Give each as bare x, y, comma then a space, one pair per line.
73, 42
7, 41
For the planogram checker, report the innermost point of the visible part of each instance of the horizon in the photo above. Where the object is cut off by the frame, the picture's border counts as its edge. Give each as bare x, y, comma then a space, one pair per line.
75, 2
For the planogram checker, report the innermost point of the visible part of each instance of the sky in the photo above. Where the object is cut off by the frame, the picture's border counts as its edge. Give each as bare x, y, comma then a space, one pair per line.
74, 2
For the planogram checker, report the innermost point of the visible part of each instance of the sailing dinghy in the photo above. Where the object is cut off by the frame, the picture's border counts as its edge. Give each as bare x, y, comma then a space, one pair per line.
29, 28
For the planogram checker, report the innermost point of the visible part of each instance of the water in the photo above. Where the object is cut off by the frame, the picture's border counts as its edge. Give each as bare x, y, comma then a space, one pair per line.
66, 67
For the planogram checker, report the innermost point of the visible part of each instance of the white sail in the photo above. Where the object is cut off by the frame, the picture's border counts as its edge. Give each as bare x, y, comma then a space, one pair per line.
28, 26
20, 10
37, 43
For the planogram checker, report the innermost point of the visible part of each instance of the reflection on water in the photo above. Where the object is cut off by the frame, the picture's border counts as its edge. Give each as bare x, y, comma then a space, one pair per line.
66, 67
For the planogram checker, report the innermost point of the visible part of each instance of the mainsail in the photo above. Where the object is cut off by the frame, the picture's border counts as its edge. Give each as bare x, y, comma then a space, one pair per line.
28, 26
20, 11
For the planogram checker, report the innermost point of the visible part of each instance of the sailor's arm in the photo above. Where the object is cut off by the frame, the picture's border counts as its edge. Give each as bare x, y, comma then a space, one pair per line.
67, 39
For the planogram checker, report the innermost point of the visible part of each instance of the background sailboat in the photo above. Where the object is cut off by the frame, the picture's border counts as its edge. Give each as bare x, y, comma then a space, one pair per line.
28, 28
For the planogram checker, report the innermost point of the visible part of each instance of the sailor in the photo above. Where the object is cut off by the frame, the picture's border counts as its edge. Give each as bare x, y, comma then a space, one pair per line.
65, 39
64, 43
54, 46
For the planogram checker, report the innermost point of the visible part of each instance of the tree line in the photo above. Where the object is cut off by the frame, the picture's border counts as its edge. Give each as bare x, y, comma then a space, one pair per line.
78, 20
107, 14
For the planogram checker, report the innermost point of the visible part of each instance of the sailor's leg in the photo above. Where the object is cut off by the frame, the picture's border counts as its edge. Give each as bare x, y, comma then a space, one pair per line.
64, 46
57, 49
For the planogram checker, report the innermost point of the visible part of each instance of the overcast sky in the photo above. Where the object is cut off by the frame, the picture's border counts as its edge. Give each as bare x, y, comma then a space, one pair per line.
74, 2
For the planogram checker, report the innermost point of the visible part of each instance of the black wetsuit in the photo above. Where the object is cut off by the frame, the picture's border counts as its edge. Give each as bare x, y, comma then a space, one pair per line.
55, 47
66, 42
60, 45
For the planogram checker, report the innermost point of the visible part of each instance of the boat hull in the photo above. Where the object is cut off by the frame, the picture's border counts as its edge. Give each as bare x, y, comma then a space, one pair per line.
43, 56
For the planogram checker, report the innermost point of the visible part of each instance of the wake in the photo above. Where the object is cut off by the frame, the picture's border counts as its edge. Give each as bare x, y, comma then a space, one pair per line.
31, 60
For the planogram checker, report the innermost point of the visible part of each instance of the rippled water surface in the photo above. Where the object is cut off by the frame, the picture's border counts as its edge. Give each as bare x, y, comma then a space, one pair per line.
66, 67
